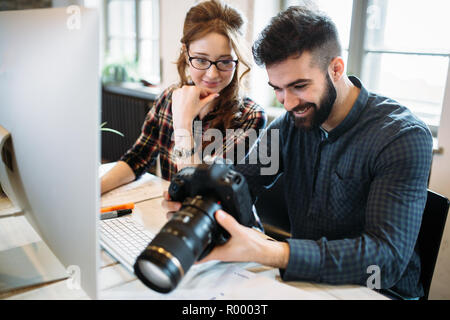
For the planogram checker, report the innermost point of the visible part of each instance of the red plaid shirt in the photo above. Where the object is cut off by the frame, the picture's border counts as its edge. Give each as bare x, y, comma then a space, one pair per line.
156, 136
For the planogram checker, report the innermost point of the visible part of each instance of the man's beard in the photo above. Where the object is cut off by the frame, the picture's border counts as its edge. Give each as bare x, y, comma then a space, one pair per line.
319, 115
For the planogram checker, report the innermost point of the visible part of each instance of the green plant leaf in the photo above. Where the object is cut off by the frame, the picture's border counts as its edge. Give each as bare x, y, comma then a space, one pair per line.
112, 130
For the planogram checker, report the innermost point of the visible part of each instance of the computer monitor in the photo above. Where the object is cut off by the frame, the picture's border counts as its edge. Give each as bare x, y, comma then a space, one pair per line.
49, 105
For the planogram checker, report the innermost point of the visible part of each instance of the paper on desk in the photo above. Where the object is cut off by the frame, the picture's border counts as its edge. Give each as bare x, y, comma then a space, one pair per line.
146, 187
351, 292
216, 281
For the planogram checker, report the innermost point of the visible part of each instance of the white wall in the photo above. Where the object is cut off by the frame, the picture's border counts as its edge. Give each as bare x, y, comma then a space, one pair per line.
172, 18
440, 182
264, 10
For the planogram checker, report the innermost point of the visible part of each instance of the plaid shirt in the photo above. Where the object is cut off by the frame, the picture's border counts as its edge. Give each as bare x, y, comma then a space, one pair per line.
157, 131
355, 195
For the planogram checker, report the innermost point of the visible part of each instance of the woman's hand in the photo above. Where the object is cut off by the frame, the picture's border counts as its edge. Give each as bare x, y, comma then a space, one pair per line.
169, 206
187, 103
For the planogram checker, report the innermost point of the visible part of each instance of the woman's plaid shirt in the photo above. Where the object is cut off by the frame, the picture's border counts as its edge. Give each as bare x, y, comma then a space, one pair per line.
157, 130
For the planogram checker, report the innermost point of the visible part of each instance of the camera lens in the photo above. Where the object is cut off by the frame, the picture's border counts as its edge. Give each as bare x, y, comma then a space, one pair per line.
178, 245
150, 270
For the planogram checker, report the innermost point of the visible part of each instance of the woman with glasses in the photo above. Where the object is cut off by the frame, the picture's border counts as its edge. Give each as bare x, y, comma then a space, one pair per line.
206, 114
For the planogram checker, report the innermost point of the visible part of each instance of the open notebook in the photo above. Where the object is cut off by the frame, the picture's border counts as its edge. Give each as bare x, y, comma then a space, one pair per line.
146, 187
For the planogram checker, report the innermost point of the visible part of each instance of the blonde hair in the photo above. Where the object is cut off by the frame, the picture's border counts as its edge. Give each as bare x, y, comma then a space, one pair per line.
218, 17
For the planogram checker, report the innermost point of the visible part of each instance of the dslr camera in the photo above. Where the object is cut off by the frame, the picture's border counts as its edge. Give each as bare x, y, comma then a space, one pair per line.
193, 232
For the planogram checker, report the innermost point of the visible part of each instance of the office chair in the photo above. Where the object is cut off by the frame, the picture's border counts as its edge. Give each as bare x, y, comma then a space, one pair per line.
275, 226
430, 236
428, 241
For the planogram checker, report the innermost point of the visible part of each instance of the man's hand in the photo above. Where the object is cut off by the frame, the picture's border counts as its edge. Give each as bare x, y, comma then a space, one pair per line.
248, 245
245, 244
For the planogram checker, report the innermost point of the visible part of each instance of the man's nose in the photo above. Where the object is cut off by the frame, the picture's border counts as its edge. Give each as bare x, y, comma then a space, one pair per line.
290, 100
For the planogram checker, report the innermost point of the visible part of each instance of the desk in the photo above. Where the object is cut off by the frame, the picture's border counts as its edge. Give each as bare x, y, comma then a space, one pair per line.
117, 283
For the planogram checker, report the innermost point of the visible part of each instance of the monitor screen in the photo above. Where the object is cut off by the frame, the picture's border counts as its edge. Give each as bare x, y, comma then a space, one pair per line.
50, 124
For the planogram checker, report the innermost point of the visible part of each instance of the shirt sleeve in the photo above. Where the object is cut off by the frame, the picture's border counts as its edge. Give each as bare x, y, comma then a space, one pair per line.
145, 150
395, 204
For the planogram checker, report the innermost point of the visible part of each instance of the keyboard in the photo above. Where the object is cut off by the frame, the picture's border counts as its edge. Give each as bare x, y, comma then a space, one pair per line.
124, 239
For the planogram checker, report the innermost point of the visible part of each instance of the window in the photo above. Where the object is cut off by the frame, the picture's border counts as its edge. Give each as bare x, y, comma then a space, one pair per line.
132, 37
398, 48
406, 53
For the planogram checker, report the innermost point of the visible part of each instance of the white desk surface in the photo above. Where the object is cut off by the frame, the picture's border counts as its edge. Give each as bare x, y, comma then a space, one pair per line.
115, 282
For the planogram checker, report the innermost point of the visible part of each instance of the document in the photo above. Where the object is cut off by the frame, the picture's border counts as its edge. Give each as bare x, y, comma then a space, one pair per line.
146, 187
216, 281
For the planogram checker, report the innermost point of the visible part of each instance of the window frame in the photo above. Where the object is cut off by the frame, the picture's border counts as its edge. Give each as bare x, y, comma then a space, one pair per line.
155, 38
357, 50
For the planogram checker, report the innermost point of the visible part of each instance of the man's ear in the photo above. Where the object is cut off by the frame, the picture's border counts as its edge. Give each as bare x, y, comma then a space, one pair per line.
336, 68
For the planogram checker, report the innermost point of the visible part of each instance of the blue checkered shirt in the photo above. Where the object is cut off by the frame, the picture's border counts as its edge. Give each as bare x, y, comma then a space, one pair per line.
354, 195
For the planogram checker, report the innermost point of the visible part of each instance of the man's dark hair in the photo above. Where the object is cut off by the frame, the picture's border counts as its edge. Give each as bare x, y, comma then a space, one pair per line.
294, 31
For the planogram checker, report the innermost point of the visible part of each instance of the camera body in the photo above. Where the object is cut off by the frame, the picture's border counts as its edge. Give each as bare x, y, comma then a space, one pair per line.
193, 232
217, 182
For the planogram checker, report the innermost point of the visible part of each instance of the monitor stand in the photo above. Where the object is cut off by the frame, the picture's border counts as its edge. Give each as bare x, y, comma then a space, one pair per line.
29, 265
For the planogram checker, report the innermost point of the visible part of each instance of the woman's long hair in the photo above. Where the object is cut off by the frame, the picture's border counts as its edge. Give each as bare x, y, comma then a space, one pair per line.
215, 16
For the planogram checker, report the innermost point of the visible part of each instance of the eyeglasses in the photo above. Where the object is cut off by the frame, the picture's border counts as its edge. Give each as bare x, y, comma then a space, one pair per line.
205, 64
